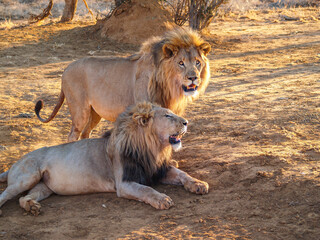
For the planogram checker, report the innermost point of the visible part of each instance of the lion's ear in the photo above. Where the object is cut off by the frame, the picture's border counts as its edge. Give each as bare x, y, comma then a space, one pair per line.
205, 48
142, 119
169, 50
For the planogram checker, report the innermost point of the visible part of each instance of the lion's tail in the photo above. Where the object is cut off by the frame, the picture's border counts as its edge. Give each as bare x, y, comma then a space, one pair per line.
4, 176
39, 106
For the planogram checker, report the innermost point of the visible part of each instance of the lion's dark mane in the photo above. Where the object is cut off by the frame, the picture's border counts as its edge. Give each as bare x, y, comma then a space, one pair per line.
141, 167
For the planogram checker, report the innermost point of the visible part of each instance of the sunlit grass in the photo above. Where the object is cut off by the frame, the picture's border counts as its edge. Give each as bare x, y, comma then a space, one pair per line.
6, 24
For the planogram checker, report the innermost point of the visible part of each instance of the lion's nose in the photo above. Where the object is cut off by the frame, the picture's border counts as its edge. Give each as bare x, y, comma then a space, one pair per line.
192, 78
185, 122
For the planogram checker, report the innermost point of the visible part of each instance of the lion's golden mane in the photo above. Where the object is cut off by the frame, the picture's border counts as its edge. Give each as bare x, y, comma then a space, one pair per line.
161, 87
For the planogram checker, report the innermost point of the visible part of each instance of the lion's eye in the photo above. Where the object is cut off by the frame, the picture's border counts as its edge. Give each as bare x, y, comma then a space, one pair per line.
181, 63
198, 62
168, 116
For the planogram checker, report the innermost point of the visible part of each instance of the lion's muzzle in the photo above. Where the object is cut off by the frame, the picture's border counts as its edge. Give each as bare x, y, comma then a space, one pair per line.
176, 138
191, 85
190, 88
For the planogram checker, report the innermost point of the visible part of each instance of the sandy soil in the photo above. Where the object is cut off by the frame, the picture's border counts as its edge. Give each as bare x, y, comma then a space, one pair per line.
254, 136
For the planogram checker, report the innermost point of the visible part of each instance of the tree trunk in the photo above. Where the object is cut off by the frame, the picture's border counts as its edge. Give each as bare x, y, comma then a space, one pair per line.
192, 15
69, 10
201, 12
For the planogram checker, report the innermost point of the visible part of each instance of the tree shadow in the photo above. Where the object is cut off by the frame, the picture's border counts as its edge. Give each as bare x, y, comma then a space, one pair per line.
60, 46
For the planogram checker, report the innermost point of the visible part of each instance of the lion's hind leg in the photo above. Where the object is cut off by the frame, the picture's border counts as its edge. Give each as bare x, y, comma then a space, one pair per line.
80, 118
94, 119
178, 177
30, 202
20, 183
80, 111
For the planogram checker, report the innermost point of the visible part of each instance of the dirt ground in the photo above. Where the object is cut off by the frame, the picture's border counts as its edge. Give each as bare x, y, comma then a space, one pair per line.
254, 136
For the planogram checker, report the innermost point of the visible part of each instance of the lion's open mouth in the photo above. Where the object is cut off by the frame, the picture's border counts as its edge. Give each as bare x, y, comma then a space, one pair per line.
176, 138
190, 88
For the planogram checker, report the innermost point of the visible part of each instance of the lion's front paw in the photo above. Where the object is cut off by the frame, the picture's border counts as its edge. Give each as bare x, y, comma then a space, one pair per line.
197, 187
31, 206
162, 202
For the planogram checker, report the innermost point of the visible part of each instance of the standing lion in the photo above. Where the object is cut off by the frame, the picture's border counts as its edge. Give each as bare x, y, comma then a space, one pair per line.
169, 70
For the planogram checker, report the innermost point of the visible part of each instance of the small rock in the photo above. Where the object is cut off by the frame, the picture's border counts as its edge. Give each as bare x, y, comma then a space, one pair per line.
293, 203
2, 148
313, 215
91, 53
277, 183
25, 115
264, 174
282, 98
255, 212
103, 205
287, 18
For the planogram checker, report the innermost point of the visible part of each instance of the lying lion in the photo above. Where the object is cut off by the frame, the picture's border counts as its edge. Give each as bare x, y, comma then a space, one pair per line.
170, 70
135, 154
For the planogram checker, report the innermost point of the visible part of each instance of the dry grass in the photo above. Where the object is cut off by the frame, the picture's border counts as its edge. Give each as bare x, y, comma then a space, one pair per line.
6, 24
18, 10
273, 15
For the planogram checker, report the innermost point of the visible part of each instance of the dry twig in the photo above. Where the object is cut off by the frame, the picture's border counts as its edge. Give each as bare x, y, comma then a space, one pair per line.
46, 12
85, 3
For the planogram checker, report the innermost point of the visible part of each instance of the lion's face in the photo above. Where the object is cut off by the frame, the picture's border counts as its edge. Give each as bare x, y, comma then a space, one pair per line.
189, 64
169, 127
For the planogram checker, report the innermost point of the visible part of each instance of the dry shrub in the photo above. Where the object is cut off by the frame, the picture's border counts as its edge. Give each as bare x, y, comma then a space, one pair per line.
199, 13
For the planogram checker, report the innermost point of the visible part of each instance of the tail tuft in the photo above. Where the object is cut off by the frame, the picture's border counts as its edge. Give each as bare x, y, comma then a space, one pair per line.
38, 107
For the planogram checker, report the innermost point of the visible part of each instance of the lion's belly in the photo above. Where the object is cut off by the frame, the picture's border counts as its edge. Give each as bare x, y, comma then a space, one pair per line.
111, 103
69, 181
77, 168
110, 111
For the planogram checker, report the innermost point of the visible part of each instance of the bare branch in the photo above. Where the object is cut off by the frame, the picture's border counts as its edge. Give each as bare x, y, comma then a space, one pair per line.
85, 3
199, 13
46, 12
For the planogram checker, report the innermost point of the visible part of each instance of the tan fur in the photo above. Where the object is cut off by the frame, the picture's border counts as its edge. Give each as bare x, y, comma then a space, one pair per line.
102, 87
135, 153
